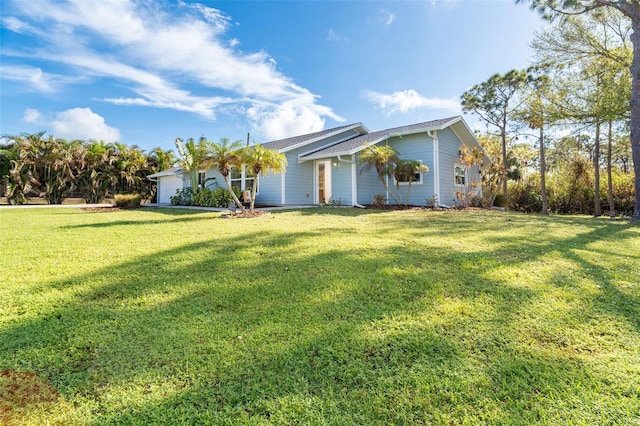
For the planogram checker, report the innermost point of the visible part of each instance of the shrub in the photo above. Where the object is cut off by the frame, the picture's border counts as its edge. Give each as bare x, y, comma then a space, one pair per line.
379, 200
219, 197
500, 200
183, 197
524, 196
127, 201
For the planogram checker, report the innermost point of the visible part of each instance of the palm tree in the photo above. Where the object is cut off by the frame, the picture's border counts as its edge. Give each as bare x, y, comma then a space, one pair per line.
160, 159
225, 155
7, 153
43, 165
405, 171
382, 159
128, 162
262, 161
193, 157
95, 171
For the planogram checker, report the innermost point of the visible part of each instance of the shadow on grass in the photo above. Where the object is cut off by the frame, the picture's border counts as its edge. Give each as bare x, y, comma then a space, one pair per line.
258, 329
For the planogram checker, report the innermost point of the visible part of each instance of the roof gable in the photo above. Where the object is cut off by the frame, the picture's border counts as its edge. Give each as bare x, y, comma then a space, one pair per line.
284, 145
361, 142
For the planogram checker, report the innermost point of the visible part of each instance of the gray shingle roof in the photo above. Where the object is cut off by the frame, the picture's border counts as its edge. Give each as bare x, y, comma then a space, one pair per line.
359, 142
283, 144
169, 172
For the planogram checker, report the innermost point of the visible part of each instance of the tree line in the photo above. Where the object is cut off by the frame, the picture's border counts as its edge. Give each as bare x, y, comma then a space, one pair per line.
574, 103
32, 165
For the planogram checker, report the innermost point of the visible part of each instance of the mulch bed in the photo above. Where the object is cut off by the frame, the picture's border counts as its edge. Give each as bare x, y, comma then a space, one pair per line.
245, 215
100, 209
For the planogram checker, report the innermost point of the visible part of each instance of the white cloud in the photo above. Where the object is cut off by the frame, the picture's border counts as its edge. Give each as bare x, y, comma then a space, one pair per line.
82, 123
387, 17
408, 100
180, 60
334, 36
289, 118
31, 115
34, 78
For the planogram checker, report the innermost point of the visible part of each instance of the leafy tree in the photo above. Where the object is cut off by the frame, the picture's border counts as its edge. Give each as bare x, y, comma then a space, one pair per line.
495, 101
382, 159
262, 161
592, 58
537, 111
631, 9
224, 155
469, 158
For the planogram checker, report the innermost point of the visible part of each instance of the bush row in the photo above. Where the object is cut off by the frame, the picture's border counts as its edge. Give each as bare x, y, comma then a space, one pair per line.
568, 194
205, 197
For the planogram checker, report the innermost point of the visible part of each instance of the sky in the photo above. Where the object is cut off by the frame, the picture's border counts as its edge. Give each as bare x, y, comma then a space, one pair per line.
147, 72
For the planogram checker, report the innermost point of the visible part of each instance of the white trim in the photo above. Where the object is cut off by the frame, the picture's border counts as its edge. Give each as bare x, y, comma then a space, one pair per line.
282, 188
436, 165
466, 178
327, 181
354, 181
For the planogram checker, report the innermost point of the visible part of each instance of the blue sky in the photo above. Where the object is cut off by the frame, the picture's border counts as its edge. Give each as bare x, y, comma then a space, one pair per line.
146, 72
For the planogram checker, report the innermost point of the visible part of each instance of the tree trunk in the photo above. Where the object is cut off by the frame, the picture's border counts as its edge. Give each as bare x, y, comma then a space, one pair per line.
233, 194
635, 113
254, 190
543, 173
381, 176
597, 210
612, 204
504, 162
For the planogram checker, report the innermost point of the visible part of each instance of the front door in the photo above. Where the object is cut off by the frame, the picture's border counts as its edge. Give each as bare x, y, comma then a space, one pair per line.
323, 182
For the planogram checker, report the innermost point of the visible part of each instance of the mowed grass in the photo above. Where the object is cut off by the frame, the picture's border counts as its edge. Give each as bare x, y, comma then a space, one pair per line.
320, 316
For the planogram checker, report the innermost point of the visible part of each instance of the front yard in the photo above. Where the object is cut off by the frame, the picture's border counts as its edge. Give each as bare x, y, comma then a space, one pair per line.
317, 316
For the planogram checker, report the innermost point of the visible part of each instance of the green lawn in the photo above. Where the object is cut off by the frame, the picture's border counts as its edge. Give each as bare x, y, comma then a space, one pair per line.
319, 316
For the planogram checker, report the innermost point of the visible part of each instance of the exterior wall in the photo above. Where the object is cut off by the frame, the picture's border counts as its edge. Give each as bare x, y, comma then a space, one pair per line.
299, 181
416, 147
299, 177
368, 185
218, 183
269, 188
449, 147
341, 189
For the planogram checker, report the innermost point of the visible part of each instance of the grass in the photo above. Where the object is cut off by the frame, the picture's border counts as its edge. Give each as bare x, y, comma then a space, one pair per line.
319, 316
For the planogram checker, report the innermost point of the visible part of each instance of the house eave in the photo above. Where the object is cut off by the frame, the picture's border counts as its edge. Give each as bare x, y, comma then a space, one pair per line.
319, 138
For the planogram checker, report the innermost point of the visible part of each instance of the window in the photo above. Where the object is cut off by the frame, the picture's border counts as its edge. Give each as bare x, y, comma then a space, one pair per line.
241, 178
235, 176
459, 174
404, 179
405, 176
202, 177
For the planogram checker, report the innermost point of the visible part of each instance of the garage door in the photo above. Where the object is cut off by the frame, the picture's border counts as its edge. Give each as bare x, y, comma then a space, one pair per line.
167, 187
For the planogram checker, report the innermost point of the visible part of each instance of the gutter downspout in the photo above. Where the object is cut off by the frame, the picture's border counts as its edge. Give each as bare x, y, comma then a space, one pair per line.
436, 165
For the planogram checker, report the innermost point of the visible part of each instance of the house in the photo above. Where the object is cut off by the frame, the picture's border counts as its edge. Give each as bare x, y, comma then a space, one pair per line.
324, 166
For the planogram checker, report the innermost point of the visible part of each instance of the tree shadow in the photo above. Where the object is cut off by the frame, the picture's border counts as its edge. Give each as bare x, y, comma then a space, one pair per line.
259, 329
